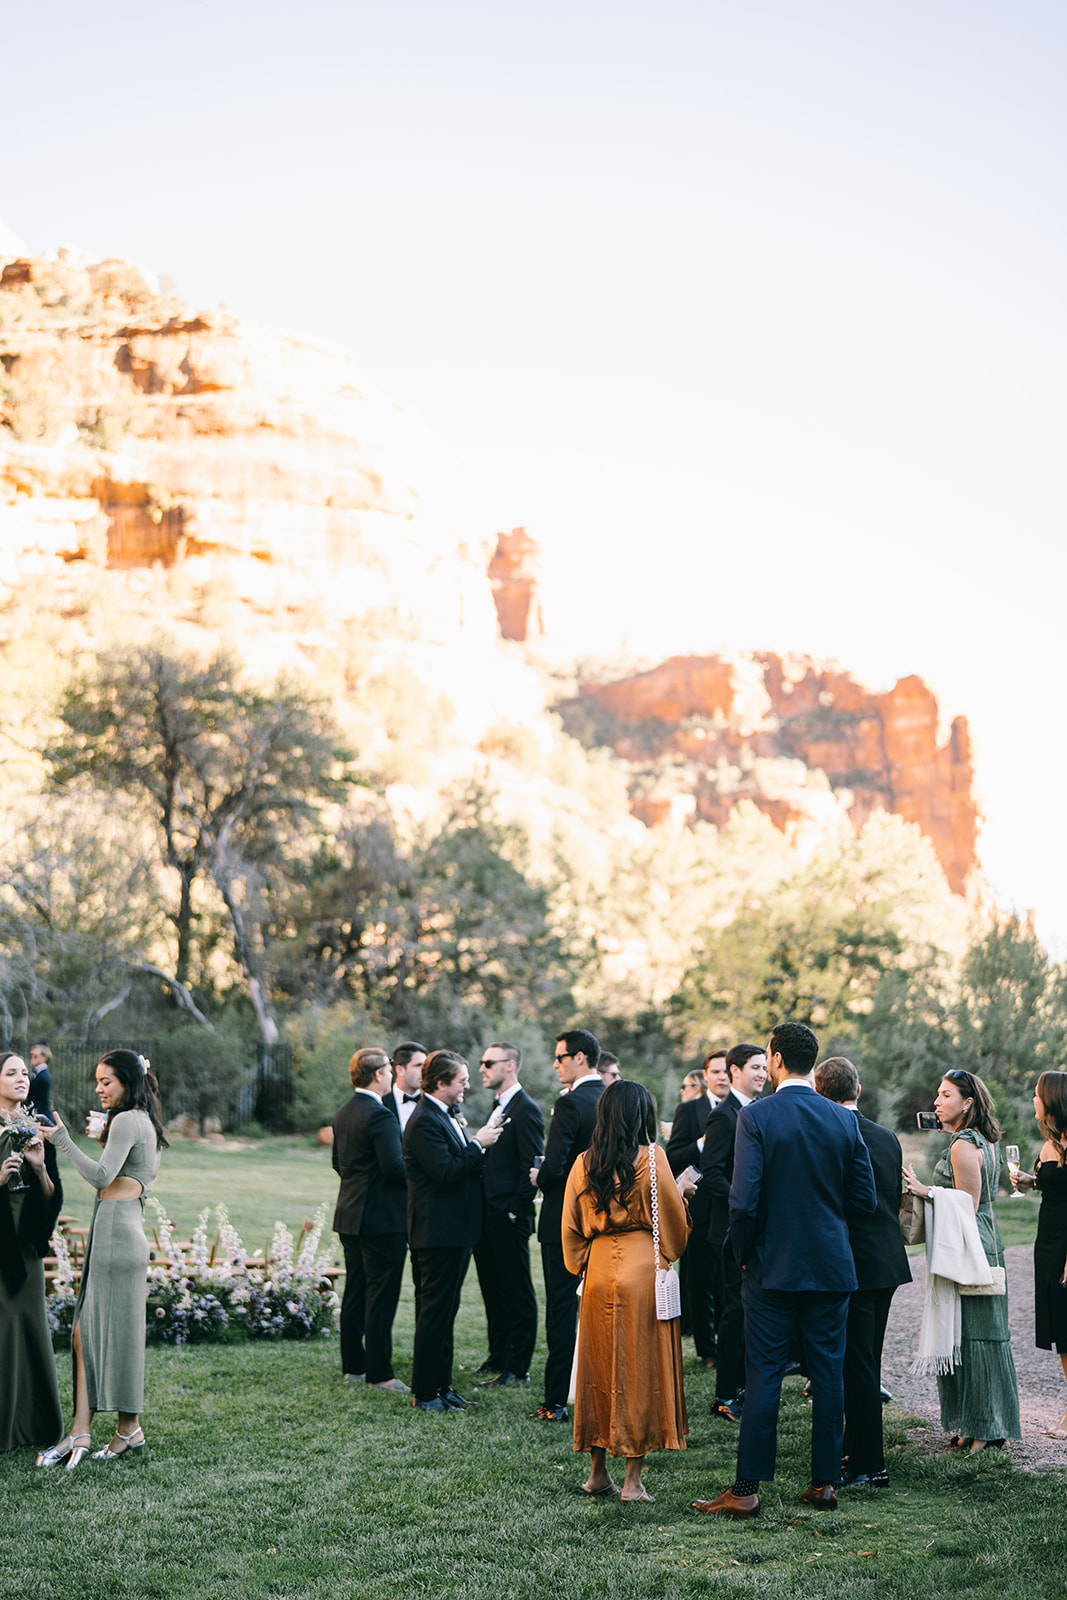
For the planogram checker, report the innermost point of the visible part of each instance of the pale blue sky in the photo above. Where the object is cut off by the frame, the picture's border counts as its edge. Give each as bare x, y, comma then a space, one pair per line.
754, 313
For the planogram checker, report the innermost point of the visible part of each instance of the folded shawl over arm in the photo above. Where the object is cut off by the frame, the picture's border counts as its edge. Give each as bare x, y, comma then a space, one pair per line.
954, 1256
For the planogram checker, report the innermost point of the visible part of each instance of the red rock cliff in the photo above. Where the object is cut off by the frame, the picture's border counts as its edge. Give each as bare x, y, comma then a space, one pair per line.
712, 731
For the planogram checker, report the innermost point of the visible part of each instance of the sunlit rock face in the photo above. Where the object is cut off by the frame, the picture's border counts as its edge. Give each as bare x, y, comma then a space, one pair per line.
169, 469
701, 733
137, 434
513, 573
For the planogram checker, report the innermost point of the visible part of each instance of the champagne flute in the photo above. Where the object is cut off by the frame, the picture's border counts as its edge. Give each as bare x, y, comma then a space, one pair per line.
1011, 1156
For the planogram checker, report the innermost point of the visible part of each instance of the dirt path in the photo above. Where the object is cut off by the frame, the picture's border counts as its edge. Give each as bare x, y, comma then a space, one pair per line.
1042, 1391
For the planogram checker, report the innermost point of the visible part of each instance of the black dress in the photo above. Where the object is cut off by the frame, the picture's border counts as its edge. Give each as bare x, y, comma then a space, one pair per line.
1050, 1255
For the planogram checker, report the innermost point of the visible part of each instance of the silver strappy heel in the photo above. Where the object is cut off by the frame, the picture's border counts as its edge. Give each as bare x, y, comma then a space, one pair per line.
107, 1454
78, 1452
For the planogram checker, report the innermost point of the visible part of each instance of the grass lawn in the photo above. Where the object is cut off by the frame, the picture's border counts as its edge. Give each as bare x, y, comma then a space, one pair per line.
266, 1476
260, 1183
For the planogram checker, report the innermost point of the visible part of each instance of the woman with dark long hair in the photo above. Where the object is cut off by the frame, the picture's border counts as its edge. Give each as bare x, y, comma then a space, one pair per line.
30, 1202
1050, 1246
108, 1337
980, 1396
628, 1387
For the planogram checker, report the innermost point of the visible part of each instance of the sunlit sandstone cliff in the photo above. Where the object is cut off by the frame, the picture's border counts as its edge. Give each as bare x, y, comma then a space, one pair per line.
700, 733
164, 467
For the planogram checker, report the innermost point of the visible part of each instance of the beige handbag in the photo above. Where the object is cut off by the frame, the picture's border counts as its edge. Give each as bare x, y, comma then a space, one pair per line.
998, 1286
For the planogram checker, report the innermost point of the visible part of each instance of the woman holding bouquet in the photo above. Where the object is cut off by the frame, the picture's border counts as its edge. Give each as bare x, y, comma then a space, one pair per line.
30, 1201
108, 1336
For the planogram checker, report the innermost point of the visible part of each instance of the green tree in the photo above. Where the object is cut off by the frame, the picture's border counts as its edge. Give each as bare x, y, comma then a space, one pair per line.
232, 776
455, 924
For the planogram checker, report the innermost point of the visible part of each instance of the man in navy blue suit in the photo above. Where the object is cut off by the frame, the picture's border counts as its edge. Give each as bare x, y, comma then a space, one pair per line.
799, 1165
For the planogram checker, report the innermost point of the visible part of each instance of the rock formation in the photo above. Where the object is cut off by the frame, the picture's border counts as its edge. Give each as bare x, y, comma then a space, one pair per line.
138, 434
701, 733
513, 575
163, 467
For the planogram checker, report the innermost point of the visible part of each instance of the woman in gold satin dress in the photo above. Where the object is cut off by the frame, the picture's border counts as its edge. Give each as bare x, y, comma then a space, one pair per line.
629, 1398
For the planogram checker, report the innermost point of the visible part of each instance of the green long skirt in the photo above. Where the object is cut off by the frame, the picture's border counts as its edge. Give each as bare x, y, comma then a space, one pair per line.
110, 1312
30, 1412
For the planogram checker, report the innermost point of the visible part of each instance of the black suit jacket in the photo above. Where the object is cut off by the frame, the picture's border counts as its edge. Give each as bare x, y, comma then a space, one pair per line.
877, 1247
389, 1102
33, 1235
569, 1133
717, 1166
444, 1181
368, 1159
690, 1120
508, 1162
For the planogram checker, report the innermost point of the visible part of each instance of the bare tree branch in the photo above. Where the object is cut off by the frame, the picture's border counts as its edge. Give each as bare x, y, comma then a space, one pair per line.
178, 990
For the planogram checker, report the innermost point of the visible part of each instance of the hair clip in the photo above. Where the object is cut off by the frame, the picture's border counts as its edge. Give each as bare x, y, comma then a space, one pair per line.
145, 1064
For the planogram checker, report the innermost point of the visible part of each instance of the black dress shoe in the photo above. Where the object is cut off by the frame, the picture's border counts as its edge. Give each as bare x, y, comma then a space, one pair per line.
865, 1480
886, 1396
488, 1366
729, 1409
550, 1413
505, 1380
436, 1404
454, 1401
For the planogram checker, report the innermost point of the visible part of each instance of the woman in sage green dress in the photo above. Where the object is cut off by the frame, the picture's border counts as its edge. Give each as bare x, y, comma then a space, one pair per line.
30, 1412
980, 1399
108, 1336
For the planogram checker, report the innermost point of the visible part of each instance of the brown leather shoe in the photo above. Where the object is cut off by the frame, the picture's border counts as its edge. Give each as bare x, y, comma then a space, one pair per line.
728, 1504
823, 1498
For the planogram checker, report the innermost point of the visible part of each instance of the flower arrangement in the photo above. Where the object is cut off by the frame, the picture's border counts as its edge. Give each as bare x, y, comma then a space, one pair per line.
18, 1129
59, 1305
219, 1293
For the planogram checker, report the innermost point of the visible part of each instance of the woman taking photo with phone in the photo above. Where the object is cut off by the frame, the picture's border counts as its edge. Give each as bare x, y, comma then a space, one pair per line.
108, 1337
980, 1397
30, 1201
1050, 1246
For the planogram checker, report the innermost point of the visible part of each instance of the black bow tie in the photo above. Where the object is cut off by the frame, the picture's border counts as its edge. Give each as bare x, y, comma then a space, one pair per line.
410, 1099
496, 1105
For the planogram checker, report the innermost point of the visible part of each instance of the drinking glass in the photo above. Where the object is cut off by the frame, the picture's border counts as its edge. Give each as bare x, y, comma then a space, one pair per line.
1011, 1156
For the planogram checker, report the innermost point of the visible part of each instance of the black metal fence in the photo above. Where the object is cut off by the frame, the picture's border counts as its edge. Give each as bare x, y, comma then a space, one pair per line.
265, 1096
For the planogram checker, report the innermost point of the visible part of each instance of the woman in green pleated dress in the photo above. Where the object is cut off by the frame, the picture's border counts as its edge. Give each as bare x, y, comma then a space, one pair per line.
980, 1399
108, 1336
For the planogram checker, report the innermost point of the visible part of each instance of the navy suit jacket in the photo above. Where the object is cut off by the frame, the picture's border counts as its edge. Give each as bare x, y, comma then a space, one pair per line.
799, 1165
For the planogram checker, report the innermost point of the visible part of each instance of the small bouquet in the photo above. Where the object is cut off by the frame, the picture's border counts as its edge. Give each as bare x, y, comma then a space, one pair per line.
17, 1130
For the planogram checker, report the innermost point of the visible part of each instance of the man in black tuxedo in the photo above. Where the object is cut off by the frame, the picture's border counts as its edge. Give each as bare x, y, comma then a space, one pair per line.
747, 1067
370, 1219
699, 1266
881, 1267
403, 1097
444, 1172
569, 1134
503, 1256
799, 1165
